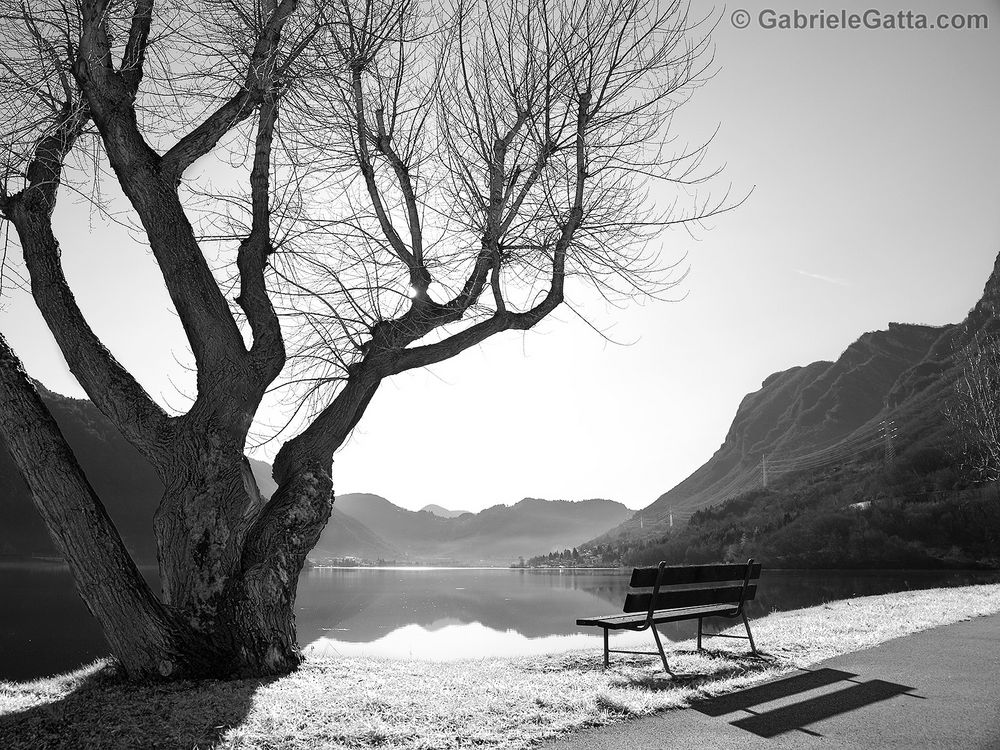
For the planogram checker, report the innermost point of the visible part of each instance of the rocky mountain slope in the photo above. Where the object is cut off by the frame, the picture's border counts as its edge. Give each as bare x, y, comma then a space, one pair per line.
885, 393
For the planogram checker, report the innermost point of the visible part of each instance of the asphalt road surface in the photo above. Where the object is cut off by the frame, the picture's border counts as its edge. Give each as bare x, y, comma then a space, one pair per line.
935, 689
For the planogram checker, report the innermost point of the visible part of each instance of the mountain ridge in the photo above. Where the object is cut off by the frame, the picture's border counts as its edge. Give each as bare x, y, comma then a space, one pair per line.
901, 375
131, 491
437, 510
496, 535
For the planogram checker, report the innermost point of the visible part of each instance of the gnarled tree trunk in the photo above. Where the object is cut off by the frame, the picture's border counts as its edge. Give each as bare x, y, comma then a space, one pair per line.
229, 563
273, 555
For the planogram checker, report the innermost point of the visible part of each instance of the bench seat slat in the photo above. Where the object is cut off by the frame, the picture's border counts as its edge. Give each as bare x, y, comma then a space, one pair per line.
634, 621
684, 574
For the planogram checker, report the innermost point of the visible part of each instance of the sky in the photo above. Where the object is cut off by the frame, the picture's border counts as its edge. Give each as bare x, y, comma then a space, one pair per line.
873, 168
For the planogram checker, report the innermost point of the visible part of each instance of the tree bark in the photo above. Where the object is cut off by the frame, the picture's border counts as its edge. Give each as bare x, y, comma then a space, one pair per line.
274, 553
209, 503
229, 561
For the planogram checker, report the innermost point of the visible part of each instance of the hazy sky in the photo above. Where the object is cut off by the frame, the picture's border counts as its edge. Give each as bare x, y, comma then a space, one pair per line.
875, 169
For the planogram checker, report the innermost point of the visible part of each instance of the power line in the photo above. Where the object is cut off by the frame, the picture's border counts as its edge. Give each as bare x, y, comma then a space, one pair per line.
854, 438
889, 432
858, 443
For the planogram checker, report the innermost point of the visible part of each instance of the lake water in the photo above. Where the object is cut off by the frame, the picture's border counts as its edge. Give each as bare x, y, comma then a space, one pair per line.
428, 613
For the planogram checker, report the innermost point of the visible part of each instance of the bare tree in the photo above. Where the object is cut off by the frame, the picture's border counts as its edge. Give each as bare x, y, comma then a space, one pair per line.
391, 186
975, 408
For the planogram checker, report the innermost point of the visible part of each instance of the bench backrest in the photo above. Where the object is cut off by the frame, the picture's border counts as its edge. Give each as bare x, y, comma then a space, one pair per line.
670, 587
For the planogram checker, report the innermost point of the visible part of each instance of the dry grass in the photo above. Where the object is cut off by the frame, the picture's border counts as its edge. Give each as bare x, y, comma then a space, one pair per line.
488, 703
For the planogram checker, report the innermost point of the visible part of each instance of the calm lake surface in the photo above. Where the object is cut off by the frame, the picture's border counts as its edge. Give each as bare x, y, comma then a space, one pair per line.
430, 613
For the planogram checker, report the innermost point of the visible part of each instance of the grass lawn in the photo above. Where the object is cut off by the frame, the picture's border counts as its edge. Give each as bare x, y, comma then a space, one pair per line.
368, 702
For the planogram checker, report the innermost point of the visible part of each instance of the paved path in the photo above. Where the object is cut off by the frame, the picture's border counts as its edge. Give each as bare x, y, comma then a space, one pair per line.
935, 689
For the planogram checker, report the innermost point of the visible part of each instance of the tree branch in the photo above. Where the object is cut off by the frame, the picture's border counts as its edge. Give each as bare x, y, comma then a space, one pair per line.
502, 320
268, 348
134, 56
363, 134
422, 278
316, 444
110, 386
205, 136
258, 80
204, 312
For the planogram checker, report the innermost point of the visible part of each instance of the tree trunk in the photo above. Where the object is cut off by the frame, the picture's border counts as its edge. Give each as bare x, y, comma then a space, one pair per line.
139, 630
229, 562
210, 501
273, 556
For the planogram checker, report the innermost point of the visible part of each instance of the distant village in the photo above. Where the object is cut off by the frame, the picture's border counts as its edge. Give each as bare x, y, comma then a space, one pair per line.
599, 556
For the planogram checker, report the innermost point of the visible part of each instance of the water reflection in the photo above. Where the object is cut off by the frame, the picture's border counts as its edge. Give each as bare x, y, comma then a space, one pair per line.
393, 611
45, 628
365, 604
448, 640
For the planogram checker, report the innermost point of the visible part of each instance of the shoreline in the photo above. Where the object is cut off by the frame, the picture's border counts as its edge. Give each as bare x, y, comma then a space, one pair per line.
17, 561
494, 702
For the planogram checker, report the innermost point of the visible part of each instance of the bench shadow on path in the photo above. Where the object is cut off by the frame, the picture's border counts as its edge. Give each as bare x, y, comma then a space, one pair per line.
106, 712
850, 696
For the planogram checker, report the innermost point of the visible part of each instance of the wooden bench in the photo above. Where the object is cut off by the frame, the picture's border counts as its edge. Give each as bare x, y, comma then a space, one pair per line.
671, 594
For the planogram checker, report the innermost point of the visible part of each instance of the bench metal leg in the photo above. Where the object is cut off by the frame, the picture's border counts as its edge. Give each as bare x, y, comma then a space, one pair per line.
699, 633
659, 646
746, 623
606, 659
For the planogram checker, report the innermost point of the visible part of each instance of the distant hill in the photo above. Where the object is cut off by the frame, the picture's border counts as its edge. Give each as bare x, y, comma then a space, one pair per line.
437, 510
129, 488
823, 431
364, 526
262, 473
345, 536
411, 532
497, 535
